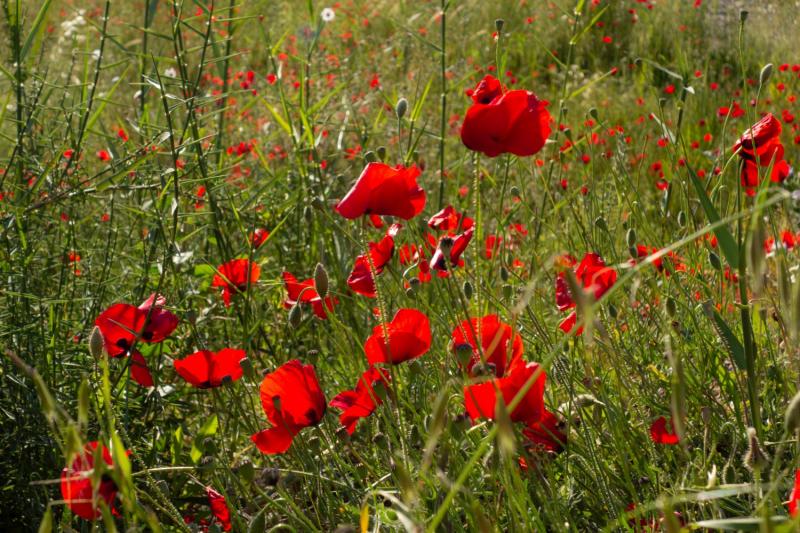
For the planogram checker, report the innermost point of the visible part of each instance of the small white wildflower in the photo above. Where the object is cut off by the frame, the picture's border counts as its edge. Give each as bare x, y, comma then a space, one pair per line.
328, 14
171, 73
137, 95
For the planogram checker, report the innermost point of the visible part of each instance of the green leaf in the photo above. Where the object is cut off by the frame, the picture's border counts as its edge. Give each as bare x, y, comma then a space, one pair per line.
589, 26
34, 29
662, 69
740, 524
726, 242
726, 335
209, 429
203, 271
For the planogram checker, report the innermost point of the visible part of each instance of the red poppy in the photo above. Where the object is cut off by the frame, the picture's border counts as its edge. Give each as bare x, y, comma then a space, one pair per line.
383, 190
161, 323
292, 400
306, 292
563, 297
219, 508
547, 433
780, 171
569, 323
492, 245
448, 220
233, 278
760, 146
495, 338
481, 399
258, 237
595, 275
140, 372
119, 325
789, 240
515, 122
794, 497
361, 402
409, 337
76, 483
205, 369
360, 280
660, 434
487, 90
460, 244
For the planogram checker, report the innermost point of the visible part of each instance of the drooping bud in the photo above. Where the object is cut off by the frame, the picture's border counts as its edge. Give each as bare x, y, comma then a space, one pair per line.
401, 108
568, 134
295, 316
96, 344
247, 368
317, 203
714, 261
308, 213
671, 307
514, 191
503, 273
600, 223
593, 113
755, 458
464, 354
766, 73
321, 280
630, 238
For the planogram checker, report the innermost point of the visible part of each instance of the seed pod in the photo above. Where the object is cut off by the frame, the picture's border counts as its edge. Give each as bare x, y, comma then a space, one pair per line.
414, 284
766, 73
415, 367
226, 380
593, 113
381, 441
671, 307
498, 25
96, 344
600, 223
317, 203
370, 157
312, 356
209, 445
343, 435
308, 213
295, 316
507, 290
515, 191
714, 261
314, 445
247, 368
208, 463
743, 15
321, 280
630, 238
361, 471
468, 290
401, 108
246, 471
464, 354
271, 476
381, 151
410, 293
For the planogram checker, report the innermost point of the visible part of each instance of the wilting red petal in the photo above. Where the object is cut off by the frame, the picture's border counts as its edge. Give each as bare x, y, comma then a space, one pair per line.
359, 403
480, 400
794, 497
386, 191
140, 372
409, 337
76, 484
547, 432
205, 369
219, 508
116, 325
660, 434
495, 338
233, 277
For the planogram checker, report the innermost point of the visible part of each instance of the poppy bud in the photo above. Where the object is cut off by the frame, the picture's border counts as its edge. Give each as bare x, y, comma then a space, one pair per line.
321, 280
317, 203
370, 157
593, 113
630, 238
414, 435
503, 273
600, 223
568, 134
705, 415
498, 24
361, 471
446, 245
381, 441
415, 156
379, 389
792, 417
514, 191
766, 73
314, 445
247, 471
612, 310
743, 15
671, 306
506, 291
191, 316
163, 488
342, 435
276, 401
682, 218
96, 344
226, 380
208, 463
308, 214
633, 251
247, 368
312, 356
209, 445
414, 284
381, 151
468, 291
715, 262
295, 316
410, 293
755, 458
401, 108
415, 367
464, 354
270, 476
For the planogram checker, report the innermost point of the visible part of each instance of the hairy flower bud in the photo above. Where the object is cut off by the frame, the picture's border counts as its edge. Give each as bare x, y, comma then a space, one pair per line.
96, 344
630, 238
766, 73
295, 316
715, 261
401, 108
247, 368
755, 458
321, 280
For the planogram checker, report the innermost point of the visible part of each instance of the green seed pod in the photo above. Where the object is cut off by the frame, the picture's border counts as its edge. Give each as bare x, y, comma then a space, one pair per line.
401, 108
247, 368
247, 471
600, 223
96, 344
498, 25
612, 311
464, 354
208, 463
415, 156
379, 389
671, 307
514, 191
715, 261
468, 290
209, 445
503, 273
414, 285
312, 356
381, 441
630, 238
743, 15
317, 203
593, 113
361, 471
370, 157
507, 290
308, 213
343, 435
766, 73
415, 367
381, 151
568, 134
295, 316
682, 219
321, 280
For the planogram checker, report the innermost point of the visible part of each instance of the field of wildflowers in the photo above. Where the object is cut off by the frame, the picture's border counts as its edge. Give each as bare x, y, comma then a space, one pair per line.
399, 265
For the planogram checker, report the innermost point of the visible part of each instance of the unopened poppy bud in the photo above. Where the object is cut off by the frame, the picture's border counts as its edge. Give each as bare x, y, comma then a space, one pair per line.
415, 367
317, 203
634, 252
209, 445
410, 293
414, 434
630, 238
314, 445
755, 458
401, 108
714, 261
295, 316
379, 389
446, 245
208, 463
381, 151
514, 191
308, 214
381, 441
743, 15
96, 344
361, 471
766, 73
671, 306
468, 291
612, 310
191, 316
370, 157
792, 416
593, 113
498, 24
568, 133
343, 435
682, 218
414, 284
312, 356
705, 415
276, 401
270, 476
162, 487
321, 280
464, 354
503, 273
247, 368
415, 156
246, 471
226, 380
507, 290
600, 223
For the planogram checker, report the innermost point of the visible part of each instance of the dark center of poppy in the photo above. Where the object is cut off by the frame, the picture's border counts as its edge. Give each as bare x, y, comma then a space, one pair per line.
123, 343
486, 100
147, 336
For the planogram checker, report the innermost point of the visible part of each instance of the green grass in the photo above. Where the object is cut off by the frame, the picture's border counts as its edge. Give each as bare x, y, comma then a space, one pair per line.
322, 98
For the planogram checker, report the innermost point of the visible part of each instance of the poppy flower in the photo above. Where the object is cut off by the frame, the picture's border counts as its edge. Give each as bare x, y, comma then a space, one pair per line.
219, 508
487, 90
386, 191
515, 122
760, 145
459, 246
789, 240
258, 237
140, 372
233, 278
76, 483
448, 220
495, 338
307, 294
480, 400
292, 400
205, 369
595, 275
360, 280
547, 433
794, 497
660, 434
161, 322
409, 337
119, 325
361, 402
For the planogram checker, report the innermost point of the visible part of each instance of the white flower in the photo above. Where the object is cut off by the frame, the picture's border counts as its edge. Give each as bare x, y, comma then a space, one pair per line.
171, 73
328, 14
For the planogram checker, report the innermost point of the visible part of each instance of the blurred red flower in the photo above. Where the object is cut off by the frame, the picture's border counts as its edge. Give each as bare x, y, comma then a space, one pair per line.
361, 402
219, 508
306, 293
409, 337
233, 278
660, 434
448, 220
76, 483
258, 237
386, 191
760, 146
547, 432
205, 369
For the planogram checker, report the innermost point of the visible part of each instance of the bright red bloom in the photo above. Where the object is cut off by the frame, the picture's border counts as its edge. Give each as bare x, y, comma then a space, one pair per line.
760, 147
789, 240
76, 483
360, 280
103, 155
140, 372
794, 497
460, 244
515, 122
409, 337
294, 290
563, 297
481, 399
233, 278
219, 508
386, 191
205, 369
119, 325
161, 323
595, 275
448, 220
292, 400
258, 237
495, 339
361, 402
547, 433
660, 434
487, 90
